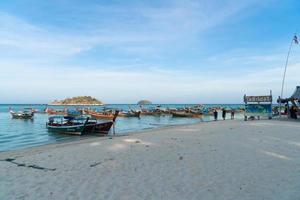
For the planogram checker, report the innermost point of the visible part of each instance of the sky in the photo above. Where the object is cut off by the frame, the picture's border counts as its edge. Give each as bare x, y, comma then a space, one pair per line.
169, 51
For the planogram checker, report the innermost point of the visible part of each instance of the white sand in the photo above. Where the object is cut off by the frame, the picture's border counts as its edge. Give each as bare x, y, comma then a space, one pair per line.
217, 160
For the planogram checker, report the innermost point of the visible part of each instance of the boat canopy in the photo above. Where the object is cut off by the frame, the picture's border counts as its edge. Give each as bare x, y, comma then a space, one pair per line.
56, 117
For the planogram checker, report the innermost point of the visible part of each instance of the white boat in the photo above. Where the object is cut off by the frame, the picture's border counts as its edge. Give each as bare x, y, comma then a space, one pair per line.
27, 113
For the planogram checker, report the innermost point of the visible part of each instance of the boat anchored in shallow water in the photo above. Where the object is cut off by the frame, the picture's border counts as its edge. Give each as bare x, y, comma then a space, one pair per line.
130, 113
27, 113
79, 125
186, 114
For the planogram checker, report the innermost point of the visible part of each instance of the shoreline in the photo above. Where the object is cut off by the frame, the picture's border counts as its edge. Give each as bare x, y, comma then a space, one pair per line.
91, 138
81, 139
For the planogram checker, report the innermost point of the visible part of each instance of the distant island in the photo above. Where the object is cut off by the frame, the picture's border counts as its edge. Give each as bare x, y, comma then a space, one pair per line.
144, 102
80, 100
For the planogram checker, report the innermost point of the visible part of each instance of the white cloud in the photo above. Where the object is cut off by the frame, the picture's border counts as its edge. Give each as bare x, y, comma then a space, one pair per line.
119, 86
20, 37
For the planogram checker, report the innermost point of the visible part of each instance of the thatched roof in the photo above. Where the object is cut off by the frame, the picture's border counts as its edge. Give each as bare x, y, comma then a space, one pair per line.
296, 94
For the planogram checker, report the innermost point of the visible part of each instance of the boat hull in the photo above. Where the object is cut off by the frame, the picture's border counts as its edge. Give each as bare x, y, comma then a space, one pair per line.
81, 129
130, 114
190, 115
101, 116
102, 128
74, 130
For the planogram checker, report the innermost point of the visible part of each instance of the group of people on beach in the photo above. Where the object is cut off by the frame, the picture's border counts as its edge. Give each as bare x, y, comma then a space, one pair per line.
224, 111
290, 111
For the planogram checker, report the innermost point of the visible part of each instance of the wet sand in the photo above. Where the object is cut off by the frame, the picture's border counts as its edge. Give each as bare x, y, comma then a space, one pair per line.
215, 160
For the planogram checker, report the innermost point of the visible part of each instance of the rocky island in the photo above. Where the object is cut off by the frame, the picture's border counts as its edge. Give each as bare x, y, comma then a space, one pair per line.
80, 100
144, 102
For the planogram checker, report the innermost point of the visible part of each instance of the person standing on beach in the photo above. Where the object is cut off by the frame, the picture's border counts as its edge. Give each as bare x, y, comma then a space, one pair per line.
216, 114
232, 114
223, 113
293, 112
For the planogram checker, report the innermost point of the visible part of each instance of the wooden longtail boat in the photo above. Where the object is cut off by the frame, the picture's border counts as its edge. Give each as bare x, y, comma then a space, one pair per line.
146, 112
155, 112
131, 113
27, 113
100, 115
79, 125
56, 112
186, 114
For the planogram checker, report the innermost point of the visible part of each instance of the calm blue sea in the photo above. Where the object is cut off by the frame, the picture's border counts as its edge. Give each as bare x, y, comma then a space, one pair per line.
18, 134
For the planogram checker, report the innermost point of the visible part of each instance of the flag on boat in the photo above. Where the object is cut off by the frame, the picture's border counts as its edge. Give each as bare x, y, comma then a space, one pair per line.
296, 39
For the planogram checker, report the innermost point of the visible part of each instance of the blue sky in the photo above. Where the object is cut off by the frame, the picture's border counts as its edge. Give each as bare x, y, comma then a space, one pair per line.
172, 51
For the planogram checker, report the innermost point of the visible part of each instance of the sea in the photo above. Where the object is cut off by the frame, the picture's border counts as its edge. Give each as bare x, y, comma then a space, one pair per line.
19, 134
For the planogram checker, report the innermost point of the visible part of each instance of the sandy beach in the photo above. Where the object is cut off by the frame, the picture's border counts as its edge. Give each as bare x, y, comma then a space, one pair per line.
215, 160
